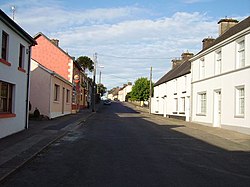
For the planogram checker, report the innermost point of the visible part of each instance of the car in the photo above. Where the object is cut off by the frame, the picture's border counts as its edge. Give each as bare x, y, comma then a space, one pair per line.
107, 102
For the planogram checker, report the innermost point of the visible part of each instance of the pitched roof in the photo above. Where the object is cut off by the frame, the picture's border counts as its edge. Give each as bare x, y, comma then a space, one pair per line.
41, 34
15, 27
182, 69
230, 32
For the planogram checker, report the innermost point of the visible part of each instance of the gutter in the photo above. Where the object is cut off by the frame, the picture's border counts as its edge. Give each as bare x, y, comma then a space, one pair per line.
28, 89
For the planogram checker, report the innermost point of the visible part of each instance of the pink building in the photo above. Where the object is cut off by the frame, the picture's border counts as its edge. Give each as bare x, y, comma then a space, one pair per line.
50, 55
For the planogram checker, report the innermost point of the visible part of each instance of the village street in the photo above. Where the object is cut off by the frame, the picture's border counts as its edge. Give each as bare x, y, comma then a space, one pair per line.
119, 146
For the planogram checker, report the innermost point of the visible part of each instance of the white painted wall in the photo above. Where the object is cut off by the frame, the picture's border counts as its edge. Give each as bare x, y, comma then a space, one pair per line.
12, 75
165, 94
229, 78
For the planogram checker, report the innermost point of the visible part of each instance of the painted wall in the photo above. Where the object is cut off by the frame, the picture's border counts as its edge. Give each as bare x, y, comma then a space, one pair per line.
50, 56
40, 80
227, 81
165, 95
12, 75
61, 107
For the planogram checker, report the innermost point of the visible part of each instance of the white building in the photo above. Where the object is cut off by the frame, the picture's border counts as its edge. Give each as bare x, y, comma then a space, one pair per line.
221, 78
172, 92
127, 88
14, 76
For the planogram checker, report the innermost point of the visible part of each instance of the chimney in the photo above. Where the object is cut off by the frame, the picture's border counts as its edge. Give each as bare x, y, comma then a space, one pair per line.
176, 62
225, 24
186, 55
207, 42
55, 41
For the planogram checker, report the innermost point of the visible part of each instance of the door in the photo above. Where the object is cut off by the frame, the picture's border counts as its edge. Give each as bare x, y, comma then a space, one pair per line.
63, 96
217, 108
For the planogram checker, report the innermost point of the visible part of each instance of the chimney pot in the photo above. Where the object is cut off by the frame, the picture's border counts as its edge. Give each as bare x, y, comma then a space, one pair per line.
207, 42
225, 24
55, 41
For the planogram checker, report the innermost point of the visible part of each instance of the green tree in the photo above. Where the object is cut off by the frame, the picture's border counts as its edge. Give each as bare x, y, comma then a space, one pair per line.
140, 90
101, 89
86, 63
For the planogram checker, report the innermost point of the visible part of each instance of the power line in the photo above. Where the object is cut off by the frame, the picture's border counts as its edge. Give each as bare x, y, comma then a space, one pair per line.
135, 58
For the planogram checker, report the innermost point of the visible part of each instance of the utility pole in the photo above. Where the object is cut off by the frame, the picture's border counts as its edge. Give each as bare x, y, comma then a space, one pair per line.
150, 90
93, 86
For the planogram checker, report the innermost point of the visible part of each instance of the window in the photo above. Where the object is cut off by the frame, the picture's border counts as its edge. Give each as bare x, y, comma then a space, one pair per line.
56, 92
21, 56
175, 86
240, 101
202, 103
5, 97
176, 104
182, 104
67, 96
241, 54
218, 63
5, 40
202, 68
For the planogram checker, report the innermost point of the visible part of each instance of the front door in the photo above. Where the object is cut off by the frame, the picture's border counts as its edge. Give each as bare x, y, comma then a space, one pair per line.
217, 108
63, 95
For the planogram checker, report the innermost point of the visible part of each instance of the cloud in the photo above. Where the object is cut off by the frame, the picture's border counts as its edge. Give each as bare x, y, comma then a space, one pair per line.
128, 43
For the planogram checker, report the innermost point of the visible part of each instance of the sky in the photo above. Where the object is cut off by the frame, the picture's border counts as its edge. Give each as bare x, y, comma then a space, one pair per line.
129, 36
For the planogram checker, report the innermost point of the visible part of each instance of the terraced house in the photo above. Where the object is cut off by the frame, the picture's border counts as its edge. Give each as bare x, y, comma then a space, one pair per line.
14, 76
221, 78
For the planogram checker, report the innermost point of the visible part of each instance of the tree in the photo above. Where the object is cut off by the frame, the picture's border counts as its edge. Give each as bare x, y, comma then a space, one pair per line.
140, 90
86, 63
101, 89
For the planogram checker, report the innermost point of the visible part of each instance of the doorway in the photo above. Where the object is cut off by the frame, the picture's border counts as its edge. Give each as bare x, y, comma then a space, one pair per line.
217, 108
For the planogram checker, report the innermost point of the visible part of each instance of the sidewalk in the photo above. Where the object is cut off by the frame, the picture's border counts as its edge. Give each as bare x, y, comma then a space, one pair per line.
239, 141
17, 149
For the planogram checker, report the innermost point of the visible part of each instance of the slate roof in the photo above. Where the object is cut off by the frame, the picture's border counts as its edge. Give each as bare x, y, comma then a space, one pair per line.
230, 32
182, 69
15, 27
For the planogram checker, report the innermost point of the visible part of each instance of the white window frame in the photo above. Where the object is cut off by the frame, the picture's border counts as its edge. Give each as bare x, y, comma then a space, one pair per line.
239, 101
218, 62
240, 54
182, 104
176, 104
202, 103
202, 68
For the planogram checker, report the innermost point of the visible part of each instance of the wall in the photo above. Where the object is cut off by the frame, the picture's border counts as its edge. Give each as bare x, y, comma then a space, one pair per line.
50, 56
11, 74
40, 80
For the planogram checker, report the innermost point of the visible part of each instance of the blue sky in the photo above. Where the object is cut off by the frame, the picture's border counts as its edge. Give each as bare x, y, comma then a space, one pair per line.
128, 36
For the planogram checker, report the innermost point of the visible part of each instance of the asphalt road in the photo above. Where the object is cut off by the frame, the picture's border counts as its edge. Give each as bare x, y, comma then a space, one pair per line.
118, 147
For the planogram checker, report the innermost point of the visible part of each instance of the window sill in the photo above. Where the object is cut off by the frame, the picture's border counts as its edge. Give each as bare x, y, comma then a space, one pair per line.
21, 69
200, 114
239, 116
7, 115
5, 62
55, 101
181, 112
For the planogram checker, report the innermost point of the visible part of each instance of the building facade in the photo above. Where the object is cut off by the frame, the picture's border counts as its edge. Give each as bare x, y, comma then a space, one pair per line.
55, 98
221, 78
172, 92
14, 76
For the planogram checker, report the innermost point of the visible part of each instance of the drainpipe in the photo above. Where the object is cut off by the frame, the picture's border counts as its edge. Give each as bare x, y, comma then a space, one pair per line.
28, 89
